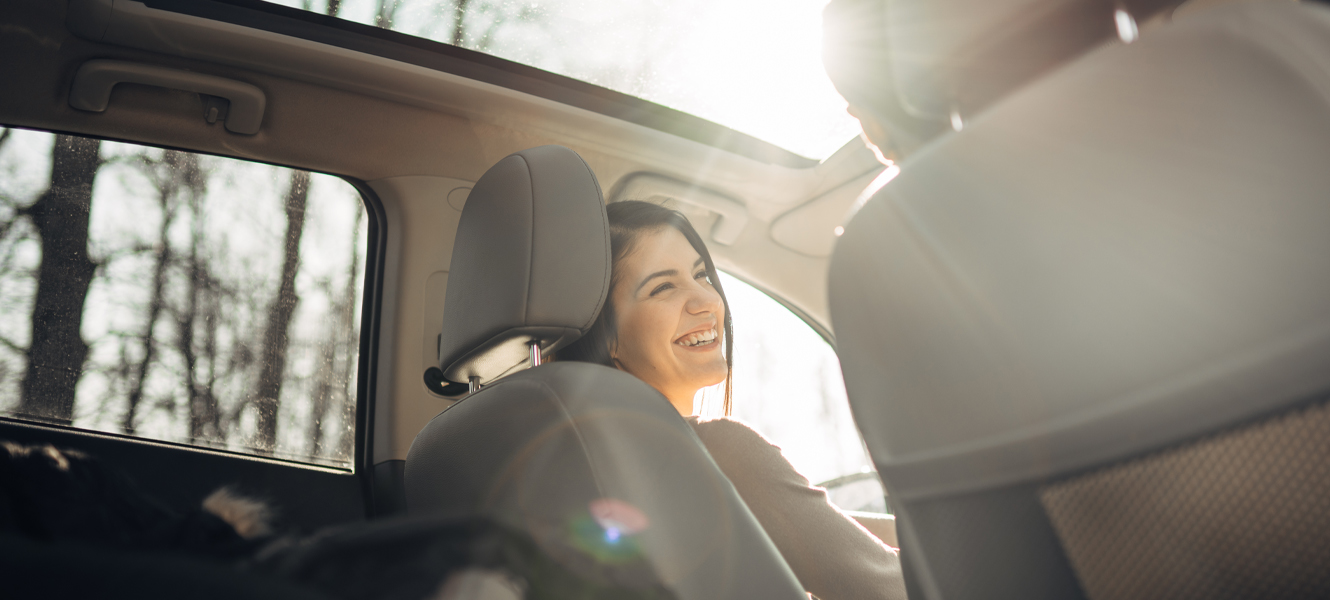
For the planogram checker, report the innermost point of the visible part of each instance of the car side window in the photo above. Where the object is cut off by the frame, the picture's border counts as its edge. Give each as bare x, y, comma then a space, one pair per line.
179, 297
788, 386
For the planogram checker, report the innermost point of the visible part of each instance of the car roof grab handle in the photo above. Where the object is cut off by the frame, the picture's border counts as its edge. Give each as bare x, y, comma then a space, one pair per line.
650, 187
91, 90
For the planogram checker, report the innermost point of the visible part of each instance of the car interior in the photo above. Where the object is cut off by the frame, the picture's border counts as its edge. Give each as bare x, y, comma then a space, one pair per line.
1080, 311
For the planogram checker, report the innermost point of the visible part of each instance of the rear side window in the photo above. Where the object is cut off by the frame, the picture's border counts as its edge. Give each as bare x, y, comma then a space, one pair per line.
179, 297
788, 386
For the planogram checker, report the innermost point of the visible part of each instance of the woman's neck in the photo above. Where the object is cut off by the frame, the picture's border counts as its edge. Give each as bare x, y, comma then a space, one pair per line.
682, 404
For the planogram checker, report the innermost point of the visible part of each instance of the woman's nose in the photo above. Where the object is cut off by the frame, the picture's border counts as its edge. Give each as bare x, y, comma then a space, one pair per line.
704, 299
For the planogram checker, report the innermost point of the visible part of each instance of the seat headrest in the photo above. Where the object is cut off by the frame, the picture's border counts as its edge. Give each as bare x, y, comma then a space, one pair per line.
531, 261
924, 67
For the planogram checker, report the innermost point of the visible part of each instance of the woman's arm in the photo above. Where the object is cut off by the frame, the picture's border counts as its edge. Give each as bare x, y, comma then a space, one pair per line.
883, 527
833, 556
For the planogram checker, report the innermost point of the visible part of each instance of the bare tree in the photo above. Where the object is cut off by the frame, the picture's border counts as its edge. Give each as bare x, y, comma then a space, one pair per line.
174, 173
325, 375
9, 218
323, 388
276, 337
459, 22
473, 23
56, 353
337, 358
486, 18
200, 402
205, 412
385, 12
237, 305
347, 316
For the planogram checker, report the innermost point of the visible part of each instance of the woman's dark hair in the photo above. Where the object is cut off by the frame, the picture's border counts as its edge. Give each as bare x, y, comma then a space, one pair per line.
628, 221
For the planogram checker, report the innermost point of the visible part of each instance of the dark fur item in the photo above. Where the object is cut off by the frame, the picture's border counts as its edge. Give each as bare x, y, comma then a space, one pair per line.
249, 517
53, 495
58, 496
402, 559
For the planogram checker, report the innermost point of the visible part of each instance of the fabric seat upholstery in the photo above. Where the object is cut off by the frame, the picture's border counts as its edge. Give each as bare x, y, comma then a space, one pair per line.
1087, 338
593, 463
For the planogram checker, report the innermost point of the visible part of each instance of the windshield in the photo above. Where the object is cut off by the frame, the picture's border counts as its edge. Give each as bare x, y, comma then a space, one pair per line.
751, 65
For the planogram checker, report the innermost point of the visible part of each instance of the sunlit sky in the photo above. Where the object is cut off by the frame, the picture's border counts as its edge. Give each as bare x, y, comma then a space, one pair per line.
751, 65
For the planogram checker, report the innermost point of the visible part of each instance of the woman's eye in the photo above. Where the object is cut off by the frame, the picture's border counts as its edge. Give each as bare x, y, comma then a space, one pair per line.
702, 275
660, 288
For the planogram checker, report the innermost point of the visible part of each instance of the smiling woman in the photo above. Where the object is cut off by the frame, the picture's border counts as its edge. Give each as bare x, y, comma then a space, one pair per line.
665, 321
672, 317
750, 65
666, 316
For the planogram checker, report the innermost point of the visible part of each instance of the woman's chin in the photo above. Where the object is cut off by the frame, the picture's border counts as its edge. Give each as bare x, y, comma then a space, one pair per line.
710, 373
701, 356
701, 366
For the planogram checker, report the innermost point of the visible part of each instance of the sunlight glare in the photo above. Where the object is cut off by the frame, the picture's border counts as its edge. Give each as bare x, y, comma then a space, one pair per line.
756, 67
1126, 25
751, 65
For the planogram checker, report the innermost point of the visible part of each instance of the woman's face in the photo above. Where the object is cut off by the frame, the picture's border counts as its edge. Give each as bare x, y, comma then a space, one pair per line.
670, 319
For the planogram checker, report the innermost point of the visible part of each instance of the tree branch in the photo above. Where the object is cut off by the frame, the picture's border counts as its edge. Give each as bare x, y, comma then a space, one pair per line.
8, 343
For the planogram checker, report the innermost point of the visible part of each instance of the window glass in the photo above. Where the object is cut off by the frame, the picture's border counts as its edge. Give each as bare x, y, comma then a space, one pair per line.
788, 386
180, 297
751, 65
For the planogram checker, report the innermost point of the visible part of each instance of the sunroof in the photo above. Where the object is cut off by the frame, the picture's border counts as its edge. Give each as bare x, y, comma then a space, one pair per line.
751, 65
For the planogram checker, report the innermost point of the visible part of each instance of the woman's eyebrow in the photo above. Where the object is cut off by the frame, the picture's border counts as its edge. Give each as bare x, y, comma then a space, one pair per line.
665, 273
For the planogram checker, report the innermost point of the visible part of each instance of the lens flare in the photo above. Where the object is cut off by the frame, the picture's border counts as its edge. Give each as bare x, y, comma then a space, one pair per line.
618, 516
607, 531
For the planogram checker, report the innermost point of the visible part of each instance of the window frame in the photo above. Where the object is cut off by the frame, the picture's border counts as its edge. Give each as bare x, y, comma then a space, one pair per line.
371, 309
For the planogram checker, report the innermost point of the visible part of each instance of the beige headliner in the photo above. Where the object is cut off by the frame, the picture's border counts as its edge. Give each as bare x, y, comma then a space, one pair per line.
412, 151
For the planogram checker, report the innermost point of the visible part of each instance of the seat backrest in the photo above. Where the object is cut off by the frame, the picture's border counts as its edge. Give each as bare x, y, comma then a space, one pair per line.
594, 464
1087, 338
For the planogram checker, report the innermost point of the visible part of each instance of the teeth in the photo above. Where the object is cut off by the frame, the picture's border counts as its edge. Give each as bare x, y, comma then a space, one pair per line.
699, 338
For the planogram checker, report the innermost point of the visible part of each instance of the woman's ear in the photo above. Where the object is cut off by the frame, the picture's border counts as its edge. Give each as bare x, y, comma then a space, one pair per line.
613, 349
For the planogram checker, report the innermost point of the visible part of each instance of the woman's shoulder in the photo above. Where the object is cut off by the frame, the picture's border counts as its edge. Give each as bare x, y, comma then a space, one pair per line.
725, 427
747, 457
731, 441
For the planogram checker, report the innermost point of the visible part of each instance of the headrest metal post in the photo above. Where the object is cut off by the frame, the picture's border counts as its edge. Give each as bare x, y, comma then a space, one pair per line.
473, 384
534, 345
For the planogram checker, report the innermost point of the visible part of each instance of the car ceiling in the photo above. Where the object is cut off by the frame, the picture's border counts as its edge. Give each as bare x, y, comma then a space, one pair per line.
415, 135
413, 140
456, 135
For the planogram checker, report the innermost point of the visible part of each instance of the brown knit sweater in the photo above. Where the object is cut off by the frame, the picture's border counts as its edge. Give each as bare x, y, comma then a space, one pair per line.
833, 556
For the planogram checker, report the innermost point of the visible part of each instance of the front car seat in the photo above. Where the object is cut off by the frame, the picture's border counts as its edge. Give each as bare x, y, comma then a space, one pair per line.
1087, 338
593, 463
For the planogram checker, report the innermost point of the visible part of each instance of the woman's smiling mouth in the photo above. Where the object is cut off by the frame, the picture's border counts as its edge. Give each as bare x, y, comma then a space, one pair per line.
698, 338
